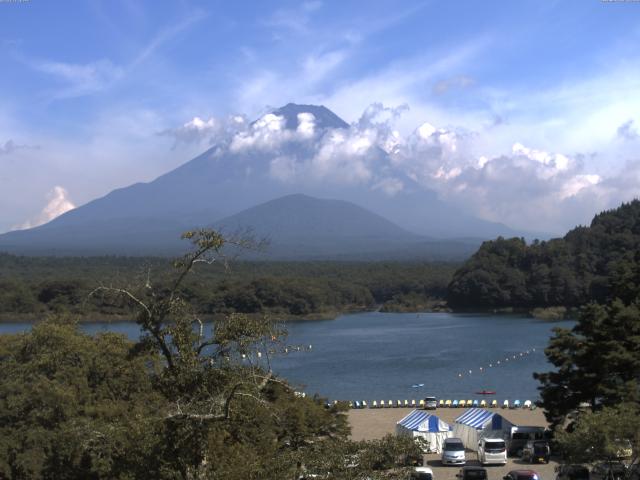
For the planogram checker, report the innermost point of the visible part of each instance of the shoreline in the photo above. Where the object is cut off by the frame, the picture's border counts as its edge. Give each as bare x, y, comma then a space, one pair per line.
538, 313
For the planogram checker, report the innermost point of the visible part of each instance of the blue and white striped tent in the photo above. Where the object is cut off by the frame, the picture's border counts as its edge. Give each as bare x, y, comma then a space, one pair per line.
420, 424
477, 423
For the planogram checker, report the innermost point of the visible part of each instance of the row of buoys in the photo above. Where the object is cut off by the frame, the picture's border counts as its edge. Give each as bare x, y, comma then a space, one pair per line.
291, 349
357, 404
499, 362
283, 351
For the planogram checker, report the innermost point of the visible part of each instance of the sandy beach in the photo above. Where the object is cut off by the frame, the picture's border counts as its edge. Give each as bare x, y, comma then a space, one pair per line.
369, 424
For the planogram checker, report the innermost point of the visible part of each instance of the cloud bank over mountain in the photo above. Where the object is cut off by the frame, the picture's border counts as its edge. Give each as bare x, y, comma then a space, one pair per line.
58, 202
526, 187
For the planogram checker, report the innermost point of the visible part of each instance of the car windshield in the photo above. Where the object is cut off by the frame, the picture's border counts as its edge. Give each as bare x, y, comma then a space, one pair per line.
479, 474
430, 399
494, 445
422, 476
520, 436
527, 476
453, 446
540, 447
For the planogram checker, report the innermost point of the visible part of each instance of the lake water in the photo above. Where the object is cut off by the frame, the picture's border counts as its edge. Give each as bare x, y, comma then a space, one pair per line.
375, 355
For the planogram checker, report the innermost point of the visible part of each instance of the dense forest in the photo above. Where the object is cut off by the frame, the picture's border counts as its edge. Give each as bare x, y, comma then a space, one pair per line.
595, 263
33, 286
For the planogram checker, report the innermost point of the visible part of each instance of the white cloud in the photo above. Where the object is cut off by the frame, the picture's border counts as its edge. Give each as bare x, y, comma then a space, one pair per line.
460, 81
390, 186
266, 133
319, 66
343, 156
81, 79
556, 162
57, 204
212, 130
306, 124
579, 182
294, 19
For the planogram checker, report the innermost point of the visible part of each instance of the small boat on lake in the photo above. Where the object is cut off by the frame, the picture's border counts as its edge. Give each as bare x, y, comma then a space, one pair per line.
486, 392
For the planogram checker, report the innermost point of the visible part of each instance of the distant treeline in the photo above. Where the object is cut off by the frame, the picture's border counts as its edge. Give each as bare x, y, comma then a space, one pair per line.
32, 286
595, 263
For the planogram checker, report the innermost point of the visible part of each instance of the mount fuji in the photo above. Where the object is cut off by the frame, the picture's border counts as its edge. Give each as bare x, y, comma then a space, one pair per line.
233, 185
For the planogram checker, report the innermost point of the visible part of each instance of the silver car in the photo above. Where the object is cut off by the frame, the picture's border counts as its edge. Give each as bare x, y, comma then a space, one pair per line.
453, 452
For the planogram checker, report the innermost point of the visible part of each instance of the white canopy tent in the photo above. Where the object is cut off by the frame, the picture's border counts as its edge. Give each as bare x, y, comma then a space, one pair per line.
420, 424
477, 423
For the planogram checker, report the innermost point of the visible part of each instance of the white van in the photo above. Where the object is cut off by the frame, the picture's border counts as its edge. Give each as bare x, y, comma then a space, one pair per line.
492, 450
430, 403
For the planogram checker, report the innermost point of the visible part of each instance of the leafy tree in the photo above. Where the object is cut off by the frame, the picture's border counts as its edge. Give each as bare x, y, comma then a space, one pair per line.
75, 406
602, 435
597, 361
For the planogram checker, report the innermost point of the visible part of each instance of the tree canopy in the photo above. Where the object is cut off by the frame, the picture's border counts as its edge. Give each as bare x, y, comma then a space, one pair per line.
601, 436
597, 361
596, 263
31, 287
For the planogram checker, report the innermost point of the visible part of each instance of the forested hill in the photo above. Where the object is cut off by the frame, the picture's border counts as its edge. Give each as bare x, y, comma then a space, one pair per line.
37, 286
598, 262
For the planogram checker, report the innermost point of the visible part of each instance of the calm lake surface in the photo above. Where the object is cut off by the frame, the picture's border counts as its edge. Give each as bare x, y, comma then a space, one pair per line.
374, 355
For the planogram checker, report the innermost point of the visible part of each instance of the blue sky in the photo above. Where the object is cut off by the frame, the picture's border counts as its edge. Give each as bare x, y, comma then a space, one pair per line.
88, 87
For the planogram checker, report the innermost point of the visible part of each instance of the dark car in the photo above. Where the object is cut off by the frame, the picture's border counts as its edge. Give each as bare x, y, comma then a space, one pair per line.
536, 451
572, 472
521, 475
520, 435
472, 473
609, 471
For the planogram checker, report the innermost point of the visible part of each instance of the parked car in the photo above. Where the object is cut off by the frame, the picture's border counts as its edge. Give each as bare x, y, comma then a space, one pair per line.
492, 450
430, 403
472, 473
519, 437
536, 451
572, 472
422, 473
609, 471
453, 452
521, 475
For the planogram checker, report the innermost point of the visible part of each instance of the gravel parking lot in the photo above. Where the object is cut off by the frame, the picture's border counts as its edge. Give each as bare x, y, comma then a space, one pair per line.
440, 472
368, 424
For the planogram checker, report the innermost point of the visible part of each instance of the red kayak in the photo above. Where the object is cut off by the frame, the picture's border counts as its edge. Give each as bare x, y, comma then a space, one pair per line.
486, 392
